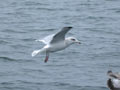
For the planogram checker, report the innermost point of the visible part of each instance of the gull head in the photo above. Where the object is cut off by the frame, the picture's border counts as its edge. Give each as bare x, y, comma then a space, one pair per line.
72, 40
109, 72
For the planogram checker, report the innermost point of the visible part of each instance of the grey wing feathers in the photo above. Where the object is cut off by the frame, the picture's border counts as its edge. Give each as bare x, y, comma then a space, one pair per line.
60, 35
115, 75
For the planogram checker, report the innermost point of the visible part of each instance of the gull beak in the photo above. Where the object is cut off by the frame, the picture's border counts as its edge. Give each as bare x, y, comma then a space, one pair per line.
78, 42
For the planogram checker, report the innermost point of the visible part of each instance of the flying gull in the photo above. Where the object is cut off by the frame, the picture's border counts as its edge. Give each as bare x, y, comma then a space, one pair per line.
55, 42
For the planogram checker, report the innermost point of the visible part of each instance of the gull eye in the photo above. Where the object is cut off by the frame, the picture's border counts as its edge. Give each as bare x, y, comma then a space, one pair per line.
73, 39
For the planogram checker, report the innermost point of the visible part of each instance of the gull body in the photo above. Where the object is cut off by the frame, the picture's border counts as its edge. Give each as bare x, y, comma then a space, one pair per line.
58, 46
56, 42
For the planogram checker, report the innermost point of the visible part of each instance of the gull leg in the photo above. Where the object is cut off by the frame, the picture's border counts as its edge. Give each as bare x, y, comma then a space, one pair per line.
46, 58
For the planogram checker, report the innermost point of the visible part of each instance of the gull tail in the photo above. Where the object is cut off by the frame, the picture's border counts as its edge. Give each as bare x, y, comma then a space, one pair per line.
35, 52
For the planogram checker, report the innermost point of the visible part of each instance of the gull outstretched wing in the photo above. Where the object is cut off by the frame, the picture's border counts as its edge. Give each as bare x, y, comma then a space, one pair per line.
60, 36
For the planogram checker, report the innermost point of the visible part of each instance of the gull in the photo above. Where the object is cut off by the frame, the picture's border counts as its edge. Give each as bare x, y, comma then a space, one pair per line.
114, 80
55, 42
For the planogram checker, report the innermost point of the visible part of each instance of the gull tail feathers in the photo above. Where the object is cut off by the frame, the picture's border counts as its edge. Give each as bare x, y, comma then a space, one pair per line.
35, 52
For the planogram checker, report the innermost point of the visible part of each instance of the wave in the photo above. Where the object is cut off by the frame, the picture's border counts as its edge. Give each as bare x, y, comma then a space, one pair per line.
30, 3
7, 59
13, 31
3, 42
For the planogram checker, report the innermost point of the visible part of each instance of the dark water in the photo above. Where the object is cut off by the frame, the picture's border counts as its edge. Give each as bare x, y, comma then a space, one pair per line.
80, 67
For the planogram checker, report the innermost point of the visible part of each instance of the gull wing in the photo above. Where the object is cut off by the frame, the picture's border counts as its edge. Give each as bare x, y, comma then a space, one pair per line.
60, 36
47, 39
115, 75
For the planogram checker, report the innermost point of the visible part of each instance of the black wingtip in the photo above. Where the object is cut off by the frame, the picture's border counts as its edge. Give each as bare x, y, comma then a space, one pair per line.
70, 27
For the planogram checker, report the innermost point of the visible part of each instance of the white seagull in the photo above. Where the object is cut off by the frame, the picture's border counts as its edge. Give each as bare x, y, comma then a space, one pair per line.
114, 80
56, 42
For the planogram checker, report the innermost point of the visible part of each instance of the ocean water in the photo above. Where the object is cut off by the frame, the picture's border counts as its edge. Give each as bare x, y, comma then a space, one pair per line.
96, 23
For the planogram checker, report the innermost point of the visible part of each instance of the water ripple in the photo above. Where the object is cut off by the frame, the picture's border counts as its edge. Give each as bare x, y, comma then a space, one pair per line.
7, 59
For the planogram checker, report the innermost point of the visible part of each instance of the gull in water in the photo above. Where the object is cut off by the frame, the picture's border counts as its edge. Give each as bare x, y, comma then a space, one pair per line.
114, 80
55, 42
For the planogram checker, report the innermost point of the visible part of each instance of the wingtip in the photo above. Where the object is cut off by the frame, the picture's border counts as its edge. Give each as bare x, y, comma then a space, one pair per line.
70, 27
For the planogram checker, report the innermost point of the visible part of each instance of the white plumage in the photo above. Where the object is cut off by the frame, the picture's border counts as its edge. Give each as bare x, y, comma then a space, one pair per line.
55, 42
